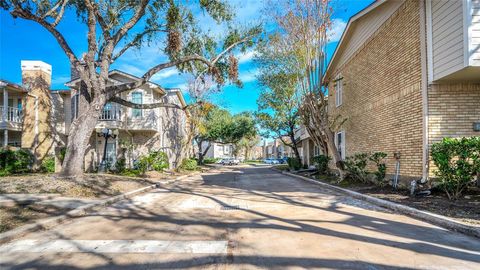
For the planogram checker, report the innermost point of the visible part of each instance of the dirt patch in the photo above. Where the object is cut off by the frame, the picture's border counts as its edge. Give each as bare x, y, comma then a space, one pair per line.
465, 209
91, 186
15, 216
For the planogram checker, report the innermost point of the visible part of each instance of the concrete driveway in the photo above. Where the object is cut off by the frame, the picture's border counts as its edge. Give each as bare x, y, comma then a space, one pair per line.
243, 218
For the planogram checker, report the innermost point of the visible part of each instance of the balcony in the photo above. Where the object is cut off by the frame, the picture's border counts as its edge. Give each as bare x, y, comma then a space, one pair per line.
115, 116
11, 118
111, 117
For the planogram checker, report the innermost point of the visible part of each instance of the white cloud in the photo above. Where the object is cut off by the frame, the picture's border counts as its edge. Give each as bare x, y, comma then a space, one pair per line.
165, 74
248, 76
60, 80
336, 31
245, 57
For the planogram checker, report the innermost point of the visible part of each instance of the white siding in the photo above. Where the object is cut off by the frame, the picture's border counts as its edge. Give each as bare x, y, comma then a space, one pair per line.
363, 28
475, 33
447, 37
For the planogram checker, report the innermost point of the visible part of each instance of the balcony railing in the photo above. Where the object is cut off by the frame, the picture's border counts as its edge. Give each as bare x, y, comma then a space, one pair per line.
111, 112
13, 114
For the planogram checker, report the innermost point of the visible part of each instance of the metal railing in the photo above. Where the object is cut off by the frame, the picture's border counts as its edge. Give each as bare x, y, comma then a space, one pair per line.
13, 114
111, 112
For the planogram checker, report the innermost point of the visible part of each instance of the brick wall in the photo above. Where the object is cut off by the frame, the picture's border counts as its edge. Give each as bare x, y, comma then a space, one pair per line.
452, 109
382, 101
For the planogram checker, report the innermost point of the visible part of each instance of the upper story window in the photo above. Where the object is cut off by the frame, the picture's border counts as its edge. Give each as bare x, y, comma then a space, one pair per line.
137, 97
338, 90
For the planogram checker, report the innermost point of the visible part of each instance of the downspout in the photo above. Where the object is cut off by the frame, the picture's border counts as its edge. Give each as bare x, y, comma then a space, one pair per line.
424, 89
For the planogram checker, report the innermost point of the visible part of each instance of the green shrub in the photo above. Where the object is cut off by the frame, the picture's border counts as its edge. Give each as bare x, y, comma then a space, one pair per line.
294, 163
62, 153
210, 160
458, 162
321, 162
189, 164
356, 167
13, 162
48, 164
120, 165
379, 159
155, 160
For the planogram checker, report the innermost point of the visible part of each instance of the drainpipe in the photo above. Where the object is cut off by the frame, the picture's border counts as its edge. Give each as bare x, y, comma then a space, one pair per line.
424, 89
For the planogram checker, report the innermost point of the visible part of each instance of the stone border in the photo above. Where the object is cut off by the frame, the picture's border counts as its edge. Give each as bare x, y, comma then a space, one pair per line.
432, 218
48, 223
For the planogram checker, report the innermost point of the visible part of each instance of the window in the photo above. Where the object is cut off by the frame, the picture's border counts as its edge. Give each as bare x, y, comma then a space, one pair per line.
137, 97
74, 106
340, 143
316, 150
338, 90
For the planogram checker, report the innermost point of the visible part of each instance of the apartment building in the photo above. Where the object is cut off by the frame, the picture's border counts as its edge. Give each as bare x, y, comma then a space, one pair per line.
406, 74
39, 119
218, 150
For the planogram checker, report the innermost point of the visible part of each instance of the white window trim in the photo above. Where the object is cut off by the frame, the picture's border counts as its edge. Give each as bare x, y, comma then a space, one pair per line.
338, 91
342, 134
142, 93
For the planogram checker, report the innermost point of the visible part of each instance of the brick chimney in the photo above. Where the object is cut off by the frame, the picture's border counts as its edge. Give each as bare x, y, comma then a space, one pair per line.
37, 113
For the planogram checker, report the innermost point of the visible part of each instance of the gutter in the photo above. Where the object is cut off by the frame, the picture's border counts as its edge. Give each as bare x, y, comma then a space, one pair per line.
424, 89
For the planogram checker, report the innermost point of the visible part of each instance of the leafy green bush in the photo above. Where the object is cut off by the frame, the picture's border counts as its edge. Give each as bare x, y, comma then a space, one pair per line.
356, 167
155, 160
321, 162
189, 164
48, 164
294, 163
458, 162
13, 162
120, 165
210, 160
62, 153
379, 159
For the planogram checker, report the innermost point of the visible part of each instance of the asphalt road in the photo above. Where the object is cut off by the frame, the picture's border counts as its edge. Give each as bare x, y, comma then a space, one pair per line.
243, 218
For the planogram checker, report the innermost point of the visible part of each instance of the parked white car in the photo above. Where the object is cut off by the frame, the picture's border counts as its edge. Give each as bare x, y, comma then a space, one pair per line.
229, 161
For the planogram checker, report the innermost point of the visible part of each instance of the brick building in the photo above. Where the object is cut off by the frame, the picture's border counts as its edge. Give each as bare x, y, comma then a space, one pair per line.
37, 118
404, 75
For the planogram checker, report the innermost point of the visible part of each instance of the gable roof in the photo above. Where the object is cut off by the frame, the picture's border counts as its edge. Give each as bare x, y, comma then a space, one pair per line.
350, 29
128, 76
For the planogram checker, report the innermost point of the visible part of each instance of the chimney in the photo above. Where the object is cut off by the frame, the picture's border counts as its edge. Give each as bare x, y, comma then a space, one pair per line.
37, 109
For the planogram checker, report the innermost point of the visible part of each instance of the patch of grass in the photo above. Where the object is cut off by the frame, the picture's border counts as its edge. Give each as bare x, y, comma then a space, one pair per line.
283, 167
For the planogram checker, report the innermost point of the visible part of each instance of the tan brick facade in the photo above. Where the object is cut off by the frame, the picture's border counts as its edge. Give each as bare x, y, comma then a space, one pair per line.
452, 110
382, 100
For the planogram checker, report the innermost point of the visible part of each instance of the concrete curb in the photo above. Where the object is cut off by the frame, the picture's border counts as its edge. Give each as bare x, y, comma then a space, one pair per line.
432, 218
48, 223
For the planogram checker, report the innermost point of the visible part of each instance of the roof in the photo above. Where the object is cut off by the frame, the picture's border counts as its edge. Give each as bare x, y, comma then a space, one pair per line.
13, 86
123, 74
179, 93
347, 31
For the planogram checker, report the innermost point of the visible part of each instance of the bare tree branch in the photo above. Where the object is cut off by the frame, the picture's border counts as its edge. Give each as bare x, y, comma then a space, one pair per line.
129, 104
116, 89
135, 41
132, 22
25, 14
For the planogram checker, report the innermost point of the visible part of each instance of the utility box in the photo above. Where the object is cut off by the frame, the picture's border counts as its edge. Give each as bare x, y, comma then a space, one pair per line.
476, 126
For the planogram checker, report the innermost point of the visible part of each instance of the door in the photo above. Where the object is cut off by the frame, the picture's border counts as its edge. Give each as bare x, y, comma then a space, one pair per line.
111, 153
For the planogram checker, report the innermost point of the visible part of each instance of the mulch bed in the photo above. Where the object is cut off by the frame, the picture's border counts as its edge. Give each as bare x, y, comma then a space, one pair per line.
465, 209
15, 216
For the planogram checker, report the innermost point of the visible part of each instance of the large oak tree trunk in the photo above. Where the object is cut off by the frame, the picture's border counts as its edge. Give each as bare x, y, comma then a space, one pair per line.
78, 139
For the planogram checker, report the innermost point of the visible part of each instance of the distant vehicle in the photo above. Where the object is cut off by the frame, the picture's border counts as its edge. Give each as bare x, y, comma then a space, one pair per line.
229, 161
271, 161
282, 160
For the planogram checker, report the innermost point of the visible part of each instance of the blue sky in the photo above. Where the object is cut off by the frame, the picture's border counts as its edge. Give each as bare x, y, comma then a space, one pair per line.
25, 40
